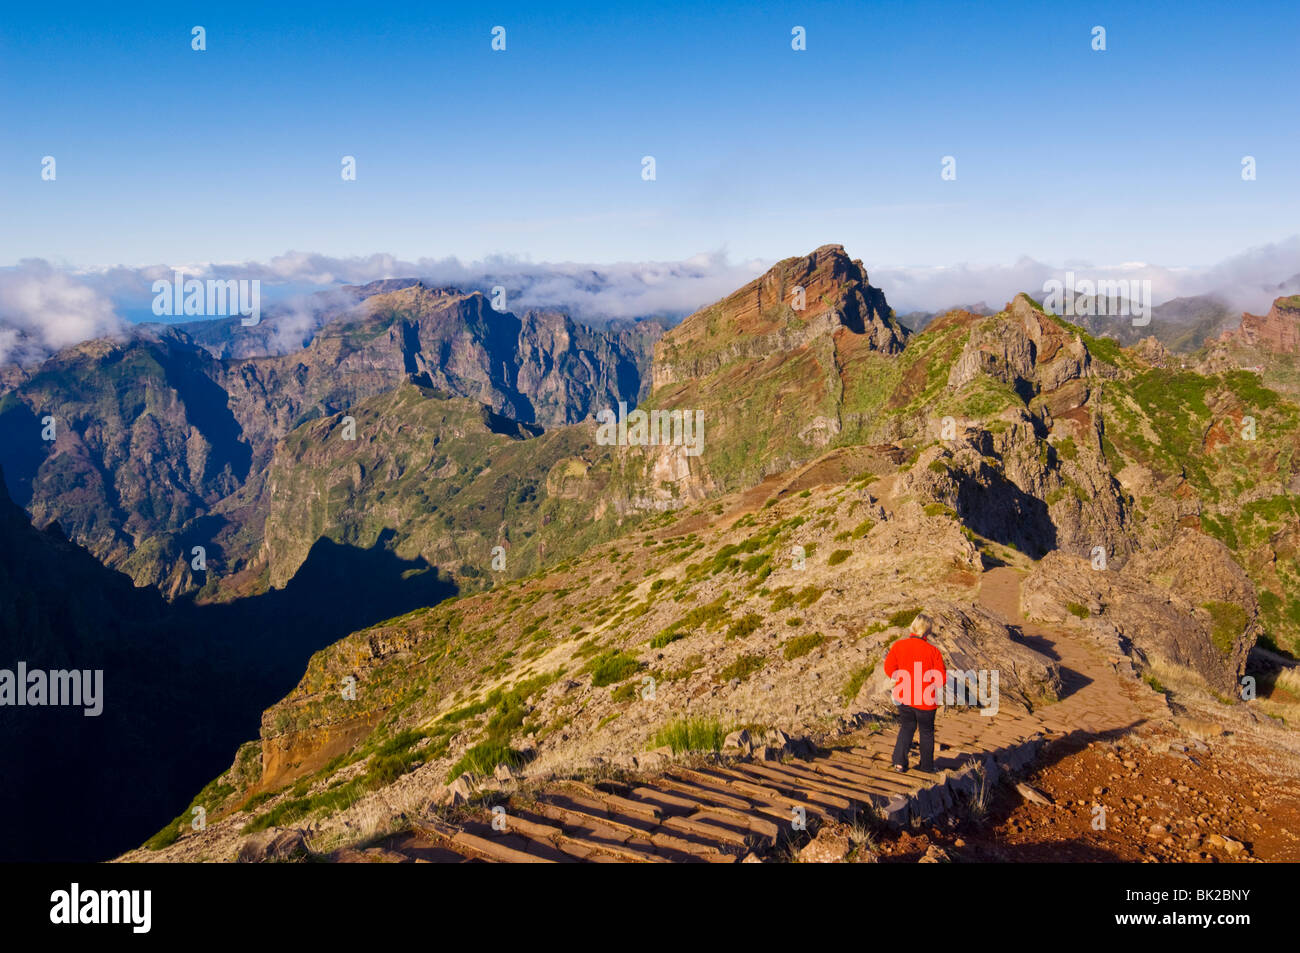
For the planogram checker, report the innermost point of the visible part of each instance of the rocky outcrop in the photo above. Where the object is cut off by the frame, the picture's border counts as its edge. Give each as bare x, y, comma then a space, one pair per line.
1188, 604
1277, 332
999, 349
1034, 476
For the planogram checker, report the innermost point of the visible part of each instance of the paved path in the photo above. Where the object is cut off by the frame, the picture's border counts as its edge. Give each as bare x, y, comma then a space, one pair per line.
721, 813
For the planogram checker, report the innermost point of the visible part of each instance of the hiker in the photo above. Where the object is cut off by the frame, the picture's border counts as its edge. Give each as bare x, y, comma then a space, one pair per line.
919, 676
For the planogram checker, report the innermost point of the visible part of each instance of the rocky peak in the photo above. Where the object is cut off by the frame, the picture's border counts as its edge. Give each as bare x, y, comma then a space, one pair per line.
1278, 331
797, 301
1153, 351
385, 285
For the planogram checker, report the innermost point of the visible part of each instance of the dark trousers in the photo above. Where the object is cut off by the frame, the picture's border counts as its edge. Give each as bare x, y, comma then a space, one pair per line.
908, 720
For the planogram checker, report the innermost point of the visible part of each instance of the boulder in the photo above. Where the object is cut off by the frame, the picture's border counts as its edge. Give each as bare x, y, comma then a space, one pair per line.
828, 847
459, 791
739, 739
934, 854
275, 844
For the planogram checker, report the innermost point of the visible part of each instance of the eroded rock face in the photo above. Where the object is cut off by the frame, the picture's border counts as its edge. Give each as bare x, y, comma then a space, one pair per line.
1036, 477
1187, 604
1002, 350
1278, 331
1020, 486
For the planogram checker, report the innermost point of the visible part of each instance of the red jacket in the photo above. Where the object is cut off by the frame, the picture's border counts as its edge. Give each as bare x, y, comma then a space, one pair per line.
918, 672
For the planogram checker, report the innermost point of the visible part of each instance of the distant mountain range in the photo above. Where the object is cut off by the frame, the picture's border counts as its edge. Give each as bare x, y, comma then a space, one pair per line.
164, 440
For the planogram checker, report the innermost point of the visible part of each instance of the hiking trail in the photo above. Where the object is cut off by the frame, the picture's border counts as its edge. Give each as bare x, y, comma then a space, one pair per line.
726, 812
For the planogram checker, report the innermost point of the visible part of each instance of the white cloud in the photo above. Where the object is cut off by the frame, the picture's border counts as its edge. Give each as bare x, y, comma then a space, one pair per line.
43, 309
1249, 281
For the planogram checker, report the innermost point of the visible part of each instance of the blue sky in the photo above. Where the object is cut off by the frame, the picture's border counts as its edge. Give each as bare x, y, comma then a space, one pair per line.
166, 155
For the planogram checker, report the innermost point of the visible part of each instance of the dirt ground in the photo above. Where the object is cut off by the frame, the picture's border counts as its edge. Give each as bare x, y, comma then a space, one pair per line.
1215, 805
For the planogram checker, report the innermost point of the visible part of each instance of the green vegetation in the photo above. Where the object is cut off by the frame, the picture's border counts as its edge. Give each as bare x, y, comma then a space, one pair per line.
610, 667
862, 529
1229, 621
903, 618
801, 645
742, 668
1078, 610
838, 556
857, 679
483, 759
745, 625
666, 637
690, 734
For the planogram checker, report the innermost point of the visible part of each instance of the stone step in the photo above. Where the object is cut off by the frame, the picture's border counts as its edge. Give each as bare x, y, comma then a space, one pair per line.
749, 819
668, 802
815, 780
700, 824
615, 802
594, 850
681, 834
765, 800
880, 782
596, 810
785, 792
486, 848
883, 771
708, 790
571, 818
531, 827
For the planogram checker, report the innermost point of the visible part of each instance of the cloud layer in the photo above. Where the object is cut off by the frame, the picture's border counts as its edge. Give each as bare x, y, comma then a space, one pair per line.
1247, 282
43, 308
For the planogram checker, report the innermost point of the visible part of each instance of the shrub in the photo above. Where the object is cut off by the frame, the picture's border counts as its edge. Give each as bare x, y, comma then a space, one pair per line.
803, 644
903, 617
837, 557
857, 679
746, 625
624, 693
666, 637
742, 668
483, 759
283, 813
610, 667
385, 769
1229, 619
